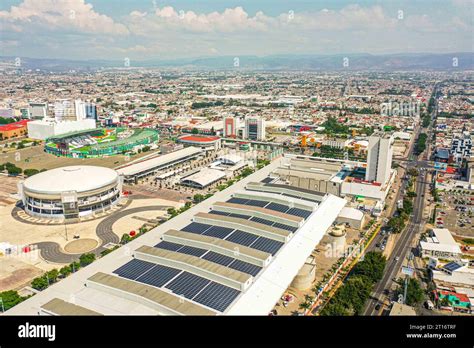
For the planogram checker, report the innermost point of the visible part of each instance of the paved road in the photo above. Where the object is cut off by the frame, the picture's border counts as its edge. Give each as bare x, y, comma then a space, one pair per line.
401, 249
52, 252
402, 246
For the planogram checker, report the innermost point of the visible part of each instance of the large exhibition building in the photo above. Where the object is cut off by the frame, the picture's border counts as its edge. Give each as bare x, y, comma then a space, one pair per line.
70, 192
235, 253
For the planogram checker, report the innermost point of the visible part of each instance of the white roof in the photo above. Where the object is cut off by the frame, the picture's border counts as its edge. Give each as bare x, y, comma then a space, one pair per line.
159, 161
233, 159
466, 278
72, 178
205, 176
449, 248
444, 236
351, 213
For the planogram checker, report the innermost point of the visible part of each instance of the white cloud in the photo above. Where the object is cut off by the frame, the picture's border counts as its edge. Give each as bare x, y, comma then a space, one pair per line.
59, 15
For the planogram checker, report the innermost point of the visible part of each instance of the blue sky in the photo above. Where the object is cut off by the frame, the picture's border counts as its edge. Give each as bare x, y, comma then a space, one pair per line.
150, 29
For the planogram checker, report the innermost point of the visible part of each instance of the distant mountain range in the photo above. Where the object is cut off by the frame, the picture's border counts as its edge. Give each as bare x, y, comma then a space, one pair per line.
353, 62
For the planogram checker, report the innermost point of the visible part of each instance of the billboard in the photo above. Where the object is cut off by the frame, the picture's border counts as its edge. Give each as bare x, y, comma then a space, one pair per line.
440, 166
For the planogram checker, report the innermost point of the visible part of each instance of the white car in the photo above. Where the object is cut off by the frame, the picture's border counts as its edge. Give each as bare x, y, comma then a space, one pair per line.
397, 258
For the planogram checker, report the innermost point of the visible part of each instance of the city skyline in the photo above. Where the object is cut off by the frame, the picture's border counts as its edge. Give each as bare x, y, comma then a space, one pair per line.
169, 30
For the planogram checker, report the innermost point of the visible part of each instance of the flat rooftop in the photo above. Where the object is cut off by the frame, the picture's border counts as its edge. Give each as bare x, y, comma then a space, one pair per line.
209, 260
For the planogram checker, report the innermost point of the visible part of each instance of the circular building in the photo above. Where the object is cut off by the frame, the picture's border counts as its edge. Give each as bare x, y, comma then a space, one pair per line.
71, 192
201, 141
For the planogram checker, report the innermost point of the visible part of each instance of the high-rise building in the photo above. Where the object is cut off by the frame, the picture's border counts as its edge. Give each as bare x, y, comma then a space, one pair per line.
230, 126
65, 110
254, 128
36, 111
379, 158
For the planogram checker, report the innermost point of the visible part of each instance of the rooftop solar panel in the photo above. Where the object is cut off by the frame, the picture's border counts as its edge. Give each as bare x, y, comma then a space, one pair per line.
187, 284
158, 275
285, 227
217, 296
237, 200
218, 232
256, 203
245, 267
299, 212
218, 258
277, 207
168, 246
452, 266
133, 269
196, 227
242, 238
267, 245
219, 212
240, 216
262, 221
192, 251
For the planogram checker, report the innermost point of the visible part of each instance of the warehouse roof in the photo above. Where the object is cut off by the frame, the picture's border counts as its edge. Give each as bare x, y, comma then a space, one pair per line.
158, 162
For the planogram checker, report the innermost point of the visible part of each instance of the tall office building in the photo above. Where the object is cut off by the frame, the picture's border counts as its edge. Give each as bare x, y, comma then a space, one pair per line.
65, 110
36, 111
230, 126
254, 128
379, 158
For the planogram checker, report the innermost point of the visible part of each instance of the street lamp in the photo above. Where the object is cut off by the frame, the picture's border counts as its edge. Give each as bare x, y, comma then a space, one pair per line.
3, 308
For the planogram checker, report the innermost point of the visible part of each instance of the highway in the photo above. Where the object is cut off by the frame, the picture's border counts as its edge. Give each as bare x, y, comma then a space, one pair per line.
402, 246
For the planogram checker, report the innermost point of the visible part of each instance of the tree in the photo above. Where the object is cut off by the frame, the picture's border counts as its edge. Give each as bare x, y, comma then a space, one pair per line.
52, 275
415, 293
413, 172
65, 271
30, 172
10, 299
195, 131
372, 266
197, 198
14, 171
125, 238
86, 259
39, 283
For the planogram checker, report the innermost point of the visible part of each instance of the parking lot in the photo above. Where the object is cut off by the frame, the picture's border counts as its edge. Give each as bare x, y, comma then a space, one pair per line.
456, 212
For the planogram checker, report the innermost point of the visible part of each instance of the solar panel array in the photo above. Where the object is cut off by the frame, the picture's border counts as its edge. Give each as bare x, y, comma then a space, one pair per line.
282, 208
198, 289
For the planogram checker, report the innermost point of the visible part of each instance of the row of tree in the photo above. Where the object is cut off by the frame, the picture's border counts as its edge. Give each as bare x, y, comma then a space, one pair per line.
51, 277
351, 297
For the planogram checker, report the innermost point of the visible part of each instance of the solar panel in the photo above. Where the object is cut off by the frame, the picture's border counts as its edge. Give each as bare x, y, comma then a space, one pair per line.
218, 258
245, 267
299, 212
277, 207
168, 246
237, 200
216, 212
192, 251
240, 216
196, 227
133, 269
217, 296
218, 232
262, 221
268, 245
256, 203
285, 227
187, 284
242, 238
452, 266
158, 275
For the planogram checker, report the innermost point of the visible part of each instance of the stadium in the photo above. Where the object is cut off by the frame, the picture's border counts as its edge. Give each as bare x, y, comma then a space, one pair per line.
71, 192
99, 142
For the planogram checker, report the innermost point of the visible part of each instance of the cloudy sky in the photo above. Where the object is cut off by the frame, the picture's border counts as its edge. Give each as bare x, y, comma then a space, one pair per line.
145, 29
